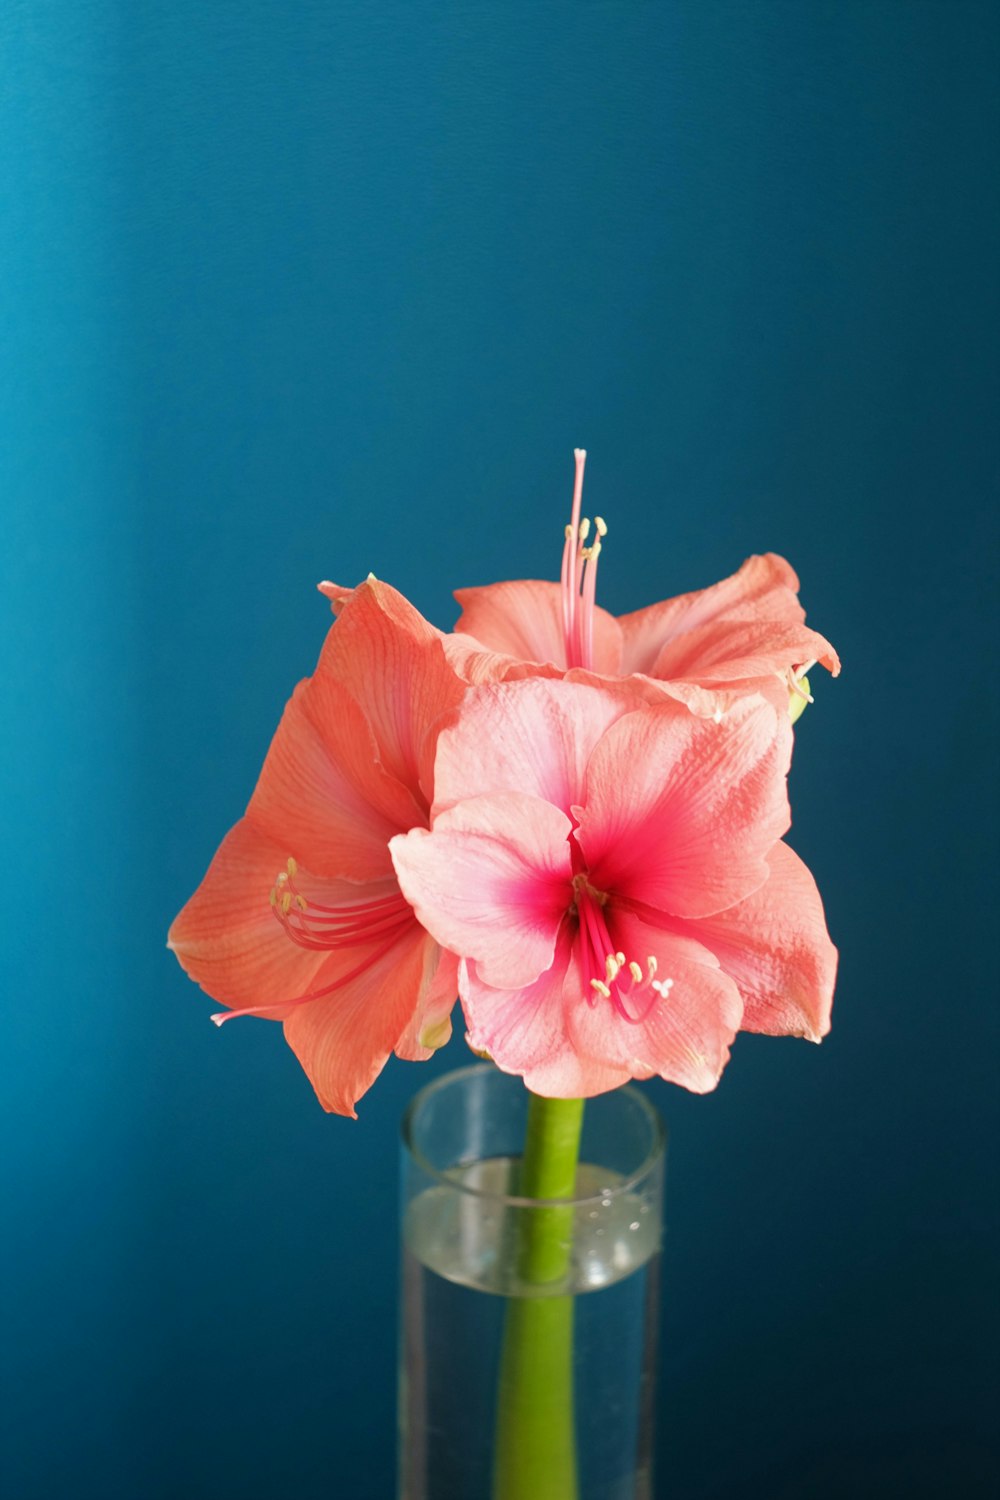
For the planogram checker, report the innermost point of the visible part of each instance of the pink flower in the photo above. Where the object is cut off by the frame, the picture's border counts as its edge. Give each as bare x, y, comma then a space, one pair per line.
300, 917
611, 873
745, 634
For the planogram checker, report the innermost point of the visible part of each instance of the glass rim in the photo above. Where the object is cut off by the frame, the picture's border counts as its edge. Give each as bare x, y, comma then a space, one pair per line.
655, 1153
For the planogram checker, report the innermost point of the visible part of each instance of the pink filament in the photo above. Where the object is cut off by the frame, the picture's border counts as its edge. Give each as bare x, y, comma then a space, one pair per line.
597, 945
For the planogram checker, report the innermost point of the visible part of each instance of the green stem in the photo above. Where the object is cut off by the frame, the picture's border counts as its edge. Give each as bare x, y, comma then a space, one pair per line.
535, 1434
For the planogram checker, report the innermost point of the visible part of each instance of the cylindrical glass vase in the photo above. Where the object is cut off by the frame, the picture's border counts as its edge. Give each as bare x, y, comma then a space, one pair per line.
528, 1327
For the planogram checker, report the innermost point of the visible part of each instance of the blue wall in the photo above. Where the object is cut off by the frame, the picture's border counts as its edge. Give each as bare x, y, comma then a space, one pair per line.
300, 290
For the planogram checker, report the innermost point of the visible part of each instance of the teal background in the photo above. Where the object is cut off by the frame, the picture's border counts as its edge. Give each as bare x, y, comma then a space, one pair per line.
301, 290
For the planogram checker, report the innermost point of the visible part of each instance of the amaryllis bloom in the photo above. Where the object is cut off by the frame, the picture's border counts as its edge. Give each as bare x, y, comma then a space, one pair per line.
745, 634
300, 917
612, 874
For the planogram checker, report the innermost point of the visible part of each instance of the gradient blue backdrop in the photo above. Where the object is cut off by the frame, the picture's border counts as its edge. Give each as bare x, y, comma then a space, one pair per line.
295, 289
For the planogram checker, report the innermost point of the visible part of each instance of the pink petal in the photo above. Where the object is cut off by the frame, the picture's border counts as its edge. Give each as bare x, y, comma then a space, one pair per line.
680, 812
776, 947
533, 736
749, 625
526, 1031
685, 1035
322, 794
738, 650
392, 662
476, 663
491, 882
523, 619
344, 1039
763, 582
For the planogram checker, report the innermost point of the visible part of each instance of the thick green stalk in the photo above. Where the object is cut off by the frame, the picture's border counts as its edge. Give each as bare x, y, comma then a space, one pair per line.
535, 1433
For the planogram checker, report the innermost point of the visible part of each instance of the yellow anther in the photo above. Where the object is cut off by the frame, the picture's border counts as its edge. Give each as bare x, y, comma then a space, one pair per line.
584, 528
620, 958
635, 972
274, 896
301, 903
569, 531
601, 988
600, 526
651, 967
611, 967
286, 903
293, 868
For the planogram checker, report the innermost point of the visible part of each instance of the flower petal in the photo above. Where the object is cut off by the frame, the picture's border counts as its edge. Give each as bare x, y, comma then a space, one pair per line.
491, 882
776, 947
749, 625
533, 736
524, 618
343, 1040
685, 1035
743, 650
322, 793
680, 812
526, 1032
476, 663
393, 664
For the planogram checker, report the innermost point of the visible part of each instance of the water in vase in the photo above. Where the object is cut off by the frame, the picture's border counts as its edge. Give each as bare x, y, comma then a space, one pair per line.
459, 1280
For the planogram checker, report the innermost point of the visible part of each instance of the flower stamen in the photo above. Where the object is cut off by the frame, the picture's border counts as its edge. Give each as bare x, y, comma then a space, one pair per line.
619, 978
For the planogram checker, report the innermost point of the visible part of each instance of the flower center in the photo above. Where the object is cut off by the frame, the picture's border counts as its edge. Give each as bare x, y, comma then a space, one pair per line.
612, 975
579, 576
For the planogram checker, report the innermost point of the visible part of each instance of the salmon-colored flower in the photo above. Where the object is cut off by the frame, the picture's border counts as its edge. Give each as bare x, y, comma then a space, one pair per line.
745, 634
612, 874
300, 917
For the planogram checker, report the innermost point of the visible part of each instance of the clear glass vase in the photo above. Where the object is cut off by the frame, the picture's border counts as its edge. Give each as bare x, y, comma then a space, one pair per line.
528, 1327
